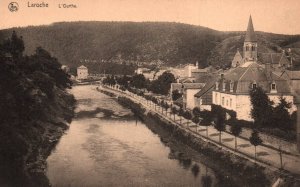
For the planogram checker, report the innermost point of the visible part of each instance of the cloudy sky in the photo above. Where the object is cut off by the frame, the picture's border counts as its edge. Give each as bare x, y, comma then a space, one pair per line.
277, 16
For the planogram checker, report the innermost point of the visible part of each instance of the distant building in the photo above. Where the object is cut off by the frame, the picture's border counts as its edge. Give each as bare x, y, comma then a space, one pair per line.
277, 60
188, 90
231, 90
203, 98
250, 53
237, 59
189, 68
82, 72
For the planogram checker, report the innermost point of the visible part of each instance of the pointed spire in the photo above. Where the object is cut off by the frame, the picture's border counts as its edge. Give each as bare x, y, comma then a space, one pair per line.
250, 34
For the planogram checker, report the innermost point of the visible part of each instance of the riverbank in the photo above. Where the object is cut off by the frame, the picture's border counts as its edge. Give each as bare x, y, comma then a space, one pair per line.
32, 142
224, 160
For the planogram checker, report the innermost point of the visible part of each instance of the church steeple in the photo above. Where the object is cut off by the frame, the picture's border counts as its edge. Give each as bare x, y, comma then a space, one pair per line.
250, 43
250, 34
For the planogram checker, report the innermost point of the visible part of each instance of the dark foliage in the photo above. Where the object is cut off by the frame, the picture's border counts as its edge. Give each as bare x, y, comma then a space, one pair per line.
196, 112
176, 95
138, 81
162, 85
261, 110
281, 118
255, 139
32, 100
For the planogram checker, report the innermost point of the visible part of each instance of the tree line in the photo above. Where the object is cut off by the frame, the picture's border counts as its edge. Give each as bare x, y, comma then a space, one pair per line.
161, 85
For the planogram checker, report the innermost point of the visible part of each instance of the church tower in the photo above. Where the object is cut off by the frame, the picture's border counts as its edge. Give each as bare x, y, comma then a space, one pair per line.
250, 43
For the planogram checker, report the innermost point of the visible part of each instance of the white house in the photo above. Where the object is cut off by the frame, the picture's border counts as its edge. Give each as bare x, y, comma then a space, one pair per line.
232, 89
82, 72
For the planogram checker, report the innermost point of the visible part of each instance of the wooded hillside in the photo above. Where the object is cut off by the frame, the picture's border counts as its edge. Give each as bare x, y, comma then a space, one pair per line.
99, 44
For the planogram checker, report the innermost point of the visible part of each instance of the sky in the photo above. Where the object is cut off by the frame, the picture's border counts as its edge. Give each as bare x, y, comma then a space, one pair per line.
276, 16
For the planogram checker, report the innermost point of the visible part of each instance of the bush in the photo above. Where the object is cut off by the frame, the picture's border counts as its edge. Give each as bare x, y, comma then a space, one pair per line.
217, 109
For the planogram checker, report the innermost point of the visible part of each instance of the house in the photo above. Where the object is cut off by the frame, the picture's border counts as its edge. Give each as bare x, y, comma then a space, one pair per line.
203, 98
82, 72
232, 88
188, 90
277, 60
189, 68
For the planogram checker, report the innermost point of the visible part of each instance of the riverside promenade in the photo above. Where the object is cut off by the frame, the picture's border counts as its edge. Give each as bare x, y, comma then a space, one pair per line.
266, 156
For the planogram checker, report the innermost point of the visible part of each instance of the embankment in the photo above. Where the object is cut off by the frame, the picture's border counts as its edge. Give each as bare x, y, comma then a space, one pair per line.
25, 147
241, 170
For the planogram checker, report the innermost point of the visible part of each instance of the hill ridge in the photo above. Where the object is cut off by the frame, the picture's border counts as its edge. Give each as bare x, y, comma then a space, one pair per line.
171, 43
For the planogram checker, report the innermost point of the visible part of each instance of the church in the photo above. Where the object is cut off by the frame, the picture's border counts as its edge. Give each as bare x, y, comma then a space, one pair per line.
231, 90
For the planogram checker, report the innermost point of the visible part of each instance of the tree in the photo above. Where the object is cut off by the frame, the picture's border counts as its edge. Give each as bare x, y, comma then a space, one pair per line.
32, 98
236, 131
163, 84
162, 106
180, 114
124, 80
187, 115
206, 121
261, 110
196, 111
110, 80
220, 124
166, 106
174, 111
176, 95
196, 120
281, 118
155, 101
195, 170
14, 46
138, 81
255, 140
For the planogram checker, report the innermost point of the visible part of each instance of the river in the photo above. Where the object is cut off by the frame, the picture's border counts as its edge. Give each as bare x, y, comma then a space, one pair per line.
107, 146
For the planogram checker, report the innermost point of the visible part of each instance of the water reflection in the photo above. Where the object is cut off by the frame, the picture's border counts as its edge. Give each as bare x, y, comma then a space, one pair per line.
195, 170
107, 146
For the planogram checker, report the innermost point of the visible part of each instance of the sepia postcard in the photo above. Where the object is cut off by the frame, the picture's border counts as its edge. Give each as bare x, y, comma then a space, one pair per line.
149, 93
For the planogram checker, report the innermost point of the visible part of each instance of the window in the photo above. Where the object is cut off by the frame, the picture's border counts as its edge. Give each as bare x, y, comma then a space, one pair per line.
231, 86
253, 48
247, 48
217, 85
216, 98
273, 87
222, 101
230, 104
254, 85
226, 102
